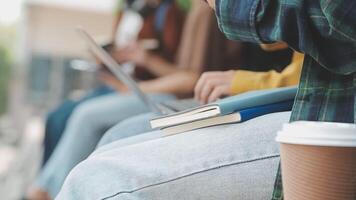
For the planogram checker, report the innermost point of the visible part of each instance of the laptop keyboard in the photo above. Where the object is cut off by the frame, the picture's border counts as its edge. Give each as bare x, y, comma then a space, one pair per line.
180, 105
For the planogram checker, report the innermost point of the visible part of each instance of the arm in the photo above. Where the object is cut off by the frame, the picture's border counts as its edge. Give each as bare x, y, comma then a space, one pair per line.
159, 66
309, 26
180, 84
244, 81
214, 85
141, 57
112, 81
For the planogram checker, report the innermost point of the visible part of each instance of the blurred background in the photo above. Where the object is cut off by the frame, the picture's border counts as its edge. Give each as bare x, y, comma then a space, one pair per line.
43, 62
37, 44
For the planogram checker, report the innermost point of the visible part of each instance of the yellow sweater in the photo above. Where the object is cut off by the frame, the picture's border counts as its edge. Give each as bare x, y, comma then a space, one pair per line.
247, 80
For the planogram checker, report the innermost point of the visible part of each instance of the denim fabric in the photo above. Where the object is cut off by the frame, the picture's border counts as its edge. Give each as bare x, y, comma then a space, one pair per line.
236, 161
84, 130
127, 128
57, 119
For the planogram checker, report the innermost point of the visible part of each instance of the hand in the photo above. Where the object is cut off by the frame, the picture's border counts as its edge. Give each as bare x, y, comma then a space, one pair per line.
213, 85
112, 81
274, 46
132, 53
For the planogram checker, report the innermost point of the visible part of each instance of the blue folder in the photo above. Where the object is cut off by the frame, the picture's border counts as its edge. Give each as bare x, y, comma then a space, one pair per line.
255, 99
257, 111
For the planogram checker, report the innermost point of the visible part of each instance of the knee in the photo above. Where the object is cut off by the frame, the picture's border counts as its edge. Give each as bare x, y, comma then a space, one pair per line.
106, 139
54, 117
51, 116
85, 112
112, 135
74, 183
84, 181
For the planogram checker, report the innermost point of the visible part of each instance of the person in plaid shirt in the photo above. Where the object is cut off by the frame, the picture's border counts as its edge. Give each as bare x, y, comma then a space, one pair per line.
324, 30
181, 167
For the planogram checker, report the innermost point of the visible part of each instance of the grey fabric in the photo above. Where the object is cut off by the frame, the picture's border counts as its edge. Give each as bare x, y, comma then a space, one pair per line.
129, 127
235, 161
85, 128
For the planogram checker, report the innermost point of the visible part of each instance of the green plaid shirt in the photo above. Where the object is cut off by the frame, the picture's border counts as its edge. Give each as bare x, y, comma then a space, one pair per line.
325, 30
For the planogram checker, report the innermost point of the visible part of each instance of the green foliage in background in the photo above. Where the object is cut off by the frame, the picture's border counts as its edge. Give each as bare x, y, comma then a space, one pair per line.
4, 78
185, 4
7, 38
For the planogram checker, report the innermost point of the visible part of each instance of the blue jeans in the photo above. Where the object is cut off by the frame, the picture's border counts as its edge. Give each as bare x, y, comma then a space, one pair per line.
235, 161
57, 119
128, 128
84, 130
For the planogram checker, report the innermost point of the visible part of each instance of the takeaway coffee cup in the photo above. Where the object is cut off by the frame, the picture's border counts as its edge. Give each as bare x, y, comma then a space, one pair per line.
318, 161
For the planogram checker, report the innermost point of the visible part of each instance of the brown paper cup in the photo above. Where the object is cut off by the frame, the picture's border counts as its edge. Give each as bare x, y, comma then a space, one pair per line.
318, 161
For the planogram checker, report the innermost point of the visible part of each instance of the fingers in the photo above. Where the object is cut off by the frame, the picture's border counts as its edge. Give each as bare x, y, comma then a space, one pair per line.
213, 85
119, 55
202, 85
133, 47
210, 86
217, 92
204, 94
124, 56
131, 53
130, 46
206, 86
199, 86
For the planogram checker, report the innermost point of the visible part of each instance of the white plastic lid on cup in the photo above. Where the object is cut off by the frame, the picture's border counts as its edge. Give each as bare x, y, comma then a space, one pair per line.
318, 134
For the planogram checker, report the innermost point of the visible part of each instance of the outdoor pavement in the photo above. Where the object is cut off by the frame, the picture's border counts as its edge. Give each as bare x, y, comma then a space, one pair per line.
20, 156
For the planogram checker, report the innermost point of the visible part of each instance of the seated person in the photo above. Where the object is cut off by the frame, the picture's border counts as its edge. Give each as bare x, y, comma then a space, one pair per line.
214, 85
93, 117
236, 164
58, 118
201, 46
137, 125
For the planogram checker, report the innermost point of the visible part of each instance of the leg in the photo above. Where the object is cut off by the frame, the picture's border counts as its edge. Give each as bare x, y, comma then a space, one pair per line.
130, 127
225, 162
143, 137
55, 125
57, 119
83, 132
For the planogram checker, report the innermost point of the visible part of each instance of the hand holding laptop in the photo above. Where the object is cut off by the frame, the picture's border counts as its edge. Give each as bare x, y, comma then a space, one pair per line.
132, 53
117, 70
136, 52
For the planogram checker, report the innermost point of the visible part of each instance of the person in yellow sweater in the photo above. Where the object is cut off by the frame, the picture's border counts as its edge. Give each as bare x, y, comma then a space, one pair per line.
214, 85
217, 84
214, 157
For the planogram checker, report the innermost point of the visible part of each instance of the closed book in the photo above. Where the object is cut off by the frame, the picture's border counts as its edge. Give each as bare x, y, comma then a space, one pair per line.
227, 106
235, 117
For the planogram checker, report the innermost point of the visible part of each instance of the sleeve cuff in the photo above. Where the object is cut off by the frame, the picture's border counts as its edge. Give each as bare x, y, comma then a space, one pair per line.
237, 19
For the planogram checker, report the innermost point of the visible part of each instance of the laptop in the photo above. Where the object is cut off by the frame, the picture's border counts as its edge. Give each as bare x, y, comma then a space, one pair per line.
116, 69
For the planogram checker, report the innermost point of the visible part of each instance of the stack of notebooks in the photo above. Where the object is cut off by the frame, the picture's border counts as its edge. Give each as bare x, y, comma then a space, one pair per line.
233, 109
